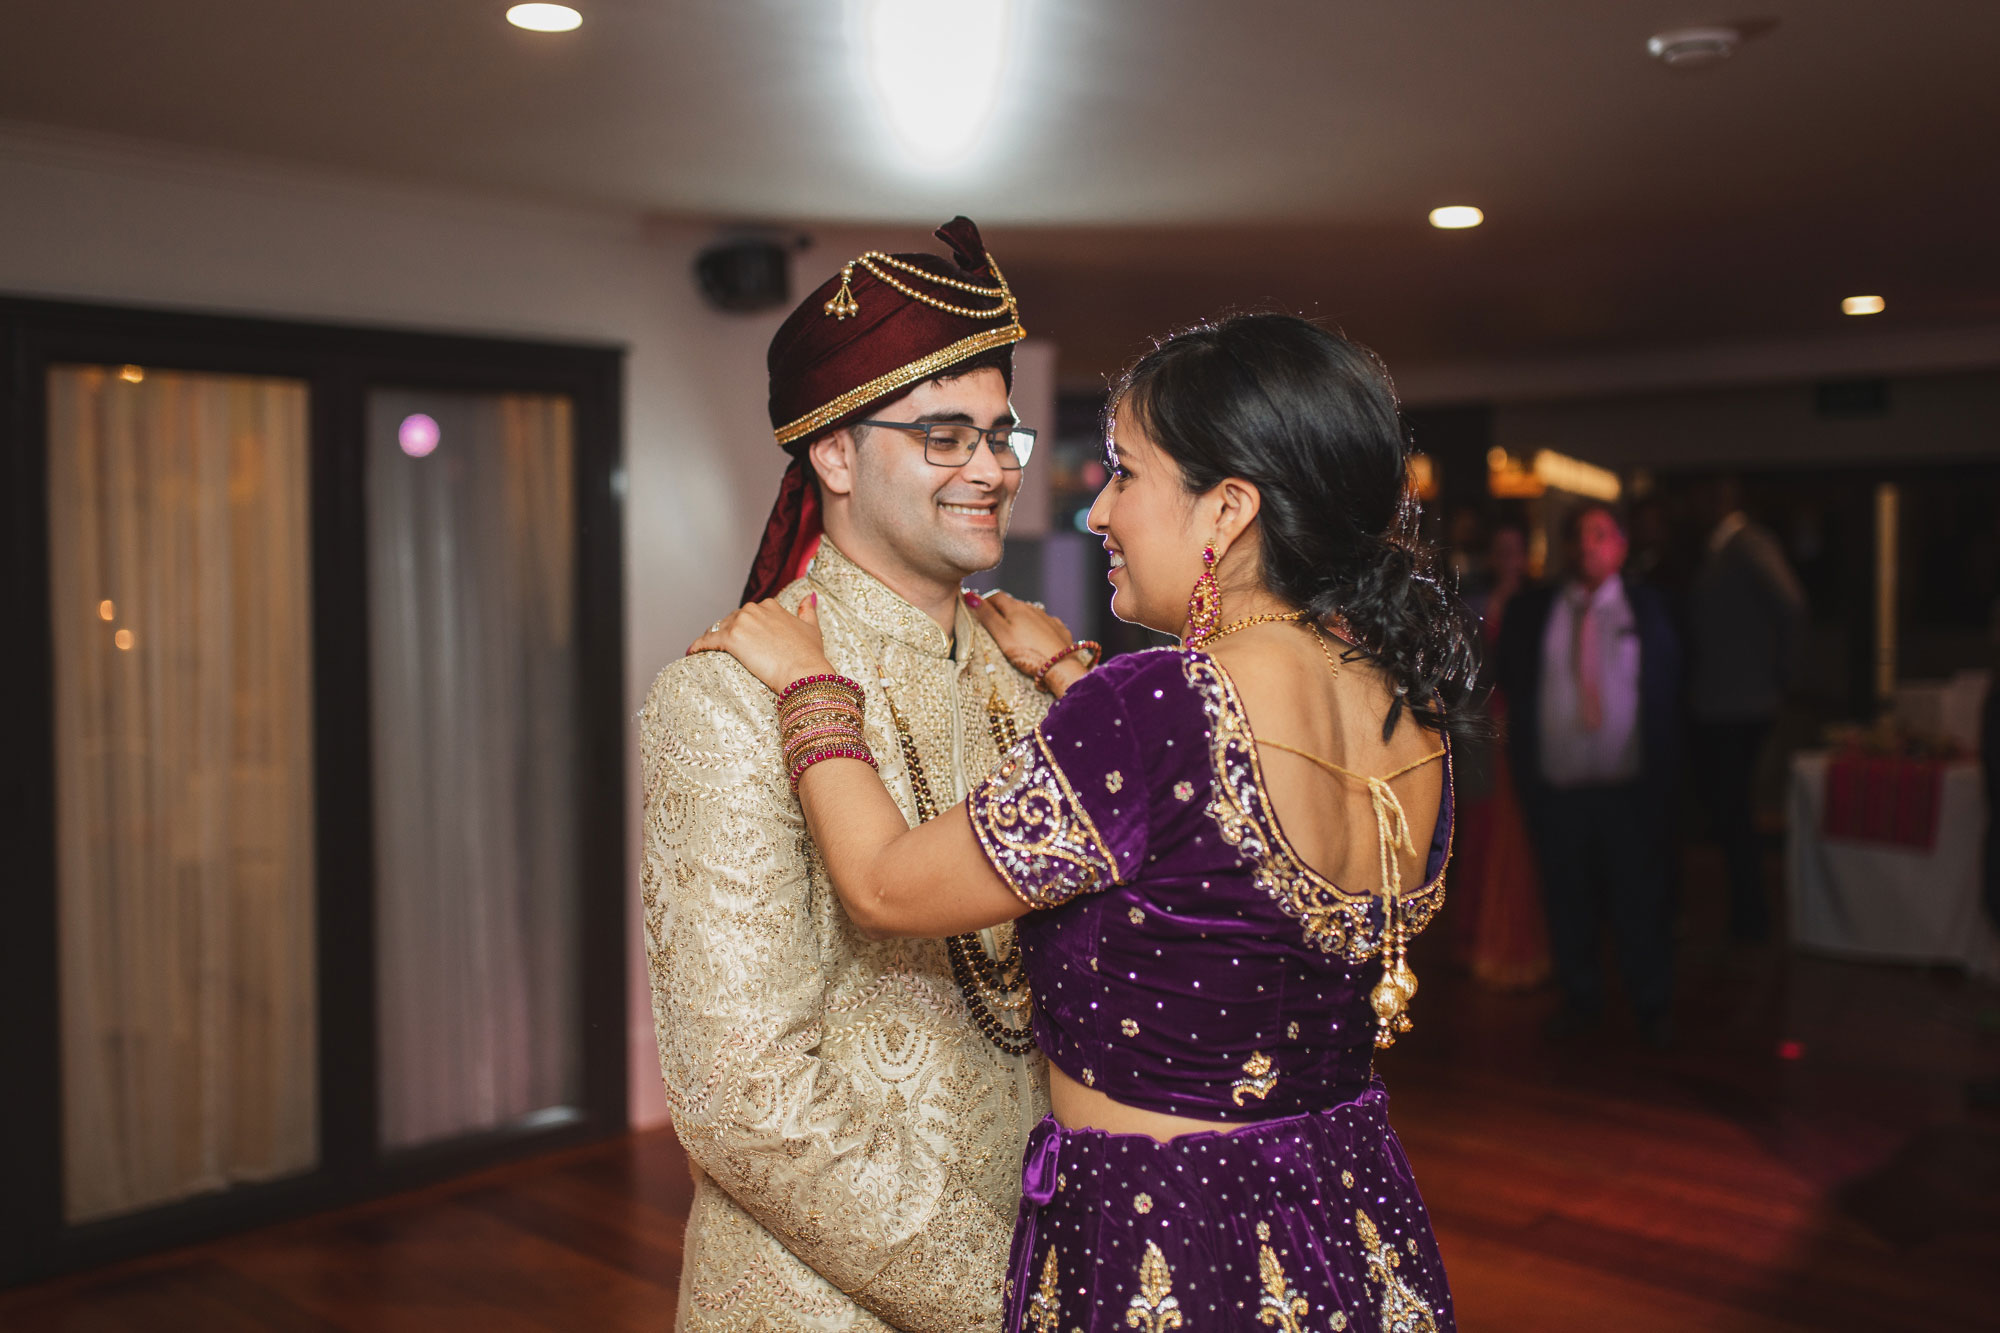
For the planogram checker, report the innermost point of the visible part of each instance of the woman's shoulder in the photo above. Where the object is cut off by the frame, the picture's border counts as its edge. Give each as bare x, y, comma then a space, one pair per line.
1147, 698
1136, 675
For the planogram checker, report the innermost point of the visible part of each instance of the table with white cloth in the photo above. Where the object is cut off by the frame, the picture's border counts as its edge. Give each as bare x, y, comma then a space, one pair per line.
1868, 899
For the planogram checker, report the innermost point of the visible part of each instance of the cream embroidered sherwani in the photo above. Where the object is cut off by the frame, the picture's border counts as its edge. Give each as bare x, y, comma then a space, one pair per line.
857, 1141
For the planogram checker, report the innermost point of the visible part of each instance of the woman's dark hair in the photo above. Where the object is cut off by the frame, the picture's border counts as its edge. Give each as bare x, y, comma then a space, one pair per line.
1310, 419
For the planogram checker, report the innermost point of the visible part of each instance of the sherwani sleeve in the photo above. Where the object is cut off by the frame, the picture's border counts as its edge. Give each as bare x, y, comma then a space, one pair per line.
831, 1161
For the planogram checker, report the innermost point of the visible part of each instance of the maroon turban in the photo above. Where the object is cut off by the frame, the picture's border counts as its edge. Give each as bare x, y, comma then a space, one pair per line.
882, 325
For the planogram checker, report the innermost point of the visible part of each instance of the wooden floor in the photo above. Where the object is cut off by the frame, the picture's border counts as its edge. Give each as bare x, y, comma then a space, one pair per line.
1589, 1186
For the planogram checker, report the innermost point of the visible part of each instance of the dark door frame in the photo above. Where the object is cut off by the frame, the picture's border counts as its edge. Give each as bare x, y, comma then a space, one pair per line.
339, 364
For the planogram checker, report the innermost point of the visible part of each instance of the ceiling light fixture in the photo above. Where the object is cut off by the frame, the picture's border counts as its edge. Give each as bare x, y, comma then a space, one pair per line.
1692, 48
1862, 305
1456, 217
937, 109
544, 18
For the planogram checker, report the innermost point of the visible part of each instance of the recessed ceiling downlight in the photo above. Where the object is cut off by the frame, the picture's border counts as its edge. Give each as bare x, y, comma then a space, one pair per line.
1691, 48
1456, 217
1863, 305
544, 18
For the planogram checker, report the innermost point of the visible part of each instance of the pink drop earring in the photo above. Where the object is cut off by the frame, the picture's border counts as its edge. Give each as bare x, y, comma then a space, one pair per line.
1204, 603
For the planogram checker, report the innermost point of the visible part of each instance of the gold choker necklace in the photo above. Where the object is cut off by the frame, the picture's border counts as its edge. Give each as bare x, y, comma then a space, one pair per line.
1264, 618
1277, 617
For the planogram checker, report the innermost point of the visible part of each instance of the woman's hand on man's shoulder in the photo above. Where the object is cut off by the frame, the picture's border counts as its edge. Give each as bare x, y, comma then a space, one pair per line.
775, 645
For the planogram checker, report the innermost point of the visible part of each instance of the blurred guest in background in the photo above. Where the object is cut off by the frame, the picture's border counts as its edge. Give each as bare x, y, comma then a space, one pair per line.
1591, 673
1746, 617
1499, 932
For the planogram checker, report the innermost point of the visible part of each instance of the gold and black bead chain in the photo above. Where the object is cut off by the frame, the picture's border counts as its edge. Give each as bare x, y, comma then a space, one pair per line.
1000, 720
977, 975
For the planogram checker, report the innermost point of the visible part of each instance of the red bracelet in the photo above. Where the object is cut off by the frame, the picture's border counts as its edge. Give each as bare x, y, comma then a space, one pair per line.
829, 678
1090, 646
860, 752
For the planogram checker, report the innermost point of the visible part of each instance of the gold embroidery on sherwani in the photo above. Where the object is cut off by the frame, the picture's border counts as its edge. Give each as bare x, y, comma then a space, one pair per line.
1155, 1309
1280, 1306
859, 1143
1403, 1311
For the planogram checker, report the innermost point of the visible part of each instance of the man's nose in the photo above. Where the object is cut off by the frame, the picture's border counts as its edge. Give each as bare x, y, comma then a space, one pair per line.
983, 467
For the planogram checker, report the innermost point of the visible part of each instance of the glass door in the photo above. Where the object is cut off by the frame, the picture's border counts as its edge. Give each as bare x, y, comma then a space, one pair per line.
314, 793
471, 526
180, 614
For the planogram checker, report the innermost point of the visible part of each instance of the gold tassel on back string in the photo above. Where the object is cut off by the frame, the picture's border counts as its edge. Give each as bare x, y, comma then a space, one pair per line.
1392, 994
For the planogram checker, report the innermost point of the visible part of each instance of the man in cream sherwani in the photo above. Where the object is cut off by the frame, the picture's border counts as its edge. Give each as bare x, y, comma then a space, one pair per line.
855, 1109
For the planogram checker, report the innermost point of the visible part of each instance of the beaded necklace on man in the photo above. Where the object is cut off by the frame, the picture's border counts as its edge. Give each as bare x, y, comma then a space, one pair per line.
989, 987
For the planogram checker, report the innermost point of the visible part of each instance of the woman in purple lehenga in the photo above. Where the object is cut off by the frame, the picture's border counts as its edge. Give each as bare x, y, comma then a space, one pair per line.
1212, 915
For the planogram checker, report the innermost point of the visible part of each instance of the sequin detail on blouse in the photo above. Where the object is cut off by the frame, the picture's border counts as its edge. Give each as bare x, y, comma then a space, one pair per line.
1257, 1081
1036, 832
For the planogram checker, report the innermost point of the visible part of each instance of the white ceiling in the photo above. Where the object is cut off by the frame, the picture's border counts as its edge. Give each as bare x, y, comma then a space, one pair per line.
1155, 159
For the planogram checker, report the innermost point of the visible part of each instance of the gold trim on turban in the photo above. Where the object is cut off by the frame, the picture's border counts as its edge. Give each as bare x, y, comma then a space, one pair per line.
914, 373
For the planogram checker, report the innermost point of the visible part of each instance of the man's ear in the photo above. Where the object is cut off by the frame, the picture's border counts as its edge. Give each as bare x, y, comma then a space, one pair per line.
832, 458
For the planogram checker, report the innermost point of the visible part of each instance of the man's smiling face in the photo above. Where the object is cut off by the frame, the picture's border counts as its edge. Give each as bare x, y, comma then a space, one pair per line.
942, 524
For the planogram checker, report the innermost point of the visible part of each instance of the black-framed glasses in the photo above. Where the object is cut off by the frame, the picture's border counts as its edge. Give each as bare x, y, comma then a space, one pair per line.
954, 443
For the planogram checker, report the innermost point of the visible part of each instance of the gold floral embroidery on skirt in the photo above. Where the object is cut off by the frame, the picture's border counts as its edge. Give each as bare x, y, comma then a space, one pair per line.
1045, 1306
1280, 1306
1155, 1309
1403, 1311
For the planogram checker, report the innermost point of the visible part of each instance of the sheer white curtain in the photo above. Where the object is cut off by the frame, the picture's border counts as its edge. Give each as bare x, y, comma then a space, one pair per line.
470, 579
178, 551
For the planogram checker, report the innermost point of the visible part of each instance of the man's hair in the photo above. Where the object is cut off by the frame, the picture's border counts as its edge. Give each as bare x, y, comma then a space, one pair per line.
997, 358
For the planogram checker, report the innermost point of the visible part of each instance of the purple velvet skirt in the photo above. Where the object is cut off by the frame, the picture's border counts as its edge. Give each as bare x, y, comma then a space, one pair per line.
1311, 1222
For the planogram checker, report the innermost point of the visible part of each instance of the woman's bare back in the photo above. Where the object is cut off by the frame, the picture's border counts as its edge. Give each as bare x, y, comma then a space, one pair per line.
1294, 700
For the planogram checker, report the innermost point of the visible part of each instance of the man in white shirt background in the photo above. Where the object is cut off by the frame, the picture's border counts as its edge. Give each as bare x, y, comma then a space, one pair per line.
1591, 667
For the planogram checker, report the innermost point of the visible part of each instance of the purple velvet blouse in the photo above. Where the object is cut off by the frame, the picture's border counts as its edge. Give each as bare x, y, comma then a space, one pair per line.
1184, 959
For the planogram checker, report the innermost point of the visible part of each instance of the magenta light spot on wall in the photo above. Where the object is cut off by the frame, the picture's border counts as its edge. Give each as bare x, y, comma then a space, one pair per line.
418, 435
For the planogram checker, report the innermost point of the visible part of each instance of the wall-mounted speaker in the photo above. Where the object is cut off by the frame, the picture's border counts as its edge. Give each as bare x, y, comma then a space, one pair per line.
743, 274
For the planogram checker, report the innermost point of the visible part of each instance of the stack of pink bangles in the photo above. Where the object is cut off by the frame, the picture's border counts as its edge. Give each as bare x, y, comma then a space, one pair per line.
819, 717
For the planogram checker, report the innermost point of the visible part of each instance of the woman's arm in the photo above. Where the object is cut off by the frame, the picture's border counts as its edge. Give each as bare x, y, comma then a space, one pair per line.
929, 881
